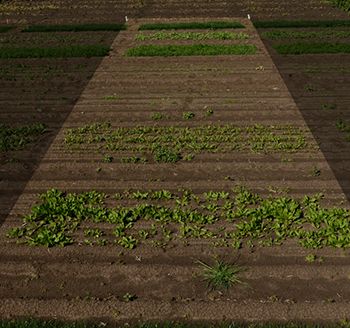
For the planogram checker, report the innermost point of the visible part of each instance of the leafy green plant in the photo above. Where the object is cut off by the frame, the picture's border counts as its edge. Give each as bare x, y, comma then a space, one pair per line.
134, 159
127, 297
301, 23
277, 35
221, 274
188, 115
166, 155
111, 97
191, 50
191, 25
312, 48
108, 159
157, 116
342, 4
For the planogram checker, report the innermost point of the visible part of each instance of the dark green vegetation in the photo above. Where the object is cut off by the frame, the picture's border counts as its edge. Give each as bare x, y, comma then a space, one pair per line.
342, 4
234, 218
191, 50
4, 29
275, 35
191, 25
344, 127
15, 138
312, 48
57, 52
221, 274
192, 36
75, 28
301, 23
183, 140
35, 323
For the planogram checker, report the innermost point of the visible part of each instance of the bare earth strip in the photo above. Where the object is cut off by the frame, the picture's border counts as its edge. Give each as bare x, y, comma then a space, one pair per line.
88, 282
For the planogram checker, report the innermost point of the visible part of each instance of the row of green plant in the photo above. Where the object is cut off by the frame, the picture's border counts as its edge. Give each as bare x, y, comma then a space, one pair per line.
344, 127
75, 28
15, 138
170, 144
191, 50
301, 23
312, 48
35, 323
342, 4
226, 218
191, 25
5, 28
56, 52
192, 36
276, 35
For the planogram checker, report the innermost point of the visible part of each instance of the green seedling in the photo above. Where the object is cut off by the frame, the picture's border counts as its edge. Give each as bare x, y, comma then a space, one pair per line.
127, 297
188, 115
111, 97
108, 159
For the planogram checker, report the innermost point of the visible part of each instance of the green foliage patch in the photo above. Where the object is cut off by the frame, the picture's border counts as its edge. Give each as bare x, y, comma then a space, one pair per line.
190, 25
342, 4
75, 28
191, 50
301, 23
16, 138
235, 218
56, 52
208, 138
344, 127
276, 35
312, 48
191, 36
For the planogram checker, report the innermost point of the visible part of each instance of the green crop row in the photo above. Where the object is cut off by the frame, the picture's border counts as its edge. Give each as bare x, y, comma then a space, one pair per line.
342, 4
75, 28
301, 23
57, 52
191, 50
159, 140
312, 48
192, 36
190, 25
275, 35
5, 28
234, 218
15, 138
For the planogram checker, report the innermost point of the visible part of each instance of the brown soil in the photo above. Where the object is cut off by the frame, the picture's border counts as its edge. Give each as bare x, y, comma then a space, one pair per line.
80, 282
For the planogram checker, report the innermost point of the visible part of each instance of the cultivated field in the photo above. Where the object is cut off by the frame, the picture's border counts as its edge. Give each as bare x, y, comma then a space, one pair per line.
156, 150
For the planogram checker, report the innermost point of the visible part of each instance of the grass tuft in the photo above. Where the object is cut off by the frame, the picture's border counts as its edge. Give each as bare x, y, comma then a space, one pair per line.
191, 50
55, 52
190, 25
75, 28
301, 23
312, 48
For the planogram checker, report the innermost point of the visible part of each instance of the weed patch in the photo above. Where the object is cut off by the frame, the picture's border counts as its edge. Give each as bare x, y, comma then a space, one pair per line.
191, 25
75, 28
16, 138
56, 52
191, 36
312, 48
191, 50
301, 23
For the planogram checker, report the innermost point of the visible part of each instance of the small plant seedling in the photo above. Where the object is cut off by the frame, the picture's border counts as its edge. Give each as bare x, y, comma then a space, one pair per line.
316, 172
329, 106
165, 155
127, 297
188, 157
209, 112
221, 274
310, 88
134, 159
310, 258
111, 97
188, 115
108, 159
99, 169
157, 116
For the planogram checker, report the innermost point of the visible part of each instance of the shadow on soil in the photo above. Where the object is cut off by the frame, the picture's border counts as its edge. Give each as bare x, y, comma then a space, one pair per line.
30, 97
319, 85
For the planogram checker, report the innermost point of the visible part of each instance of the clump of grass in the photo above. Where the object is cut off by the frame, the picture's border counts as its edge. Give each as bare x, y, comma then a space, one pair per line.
16, 138
221, 274
301, 23
192, 36
75, 28
190, 25
55, 52
276, 35
6, 28
312, 48
191, 50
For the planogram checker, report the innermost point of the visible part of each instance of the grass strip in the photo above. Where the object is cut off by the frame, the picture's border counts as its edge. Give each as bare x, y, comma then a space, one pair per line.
312, 48
251, 219
191, 36
191, 50
301, 23
342, 4
16, 138
75, 28
190, 25
4, 29
55, 52
276, 35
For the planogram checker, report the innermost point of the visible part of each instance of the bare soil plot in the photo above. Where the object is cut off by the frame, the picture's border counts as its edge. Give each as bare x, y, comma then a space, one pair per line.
83, 281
